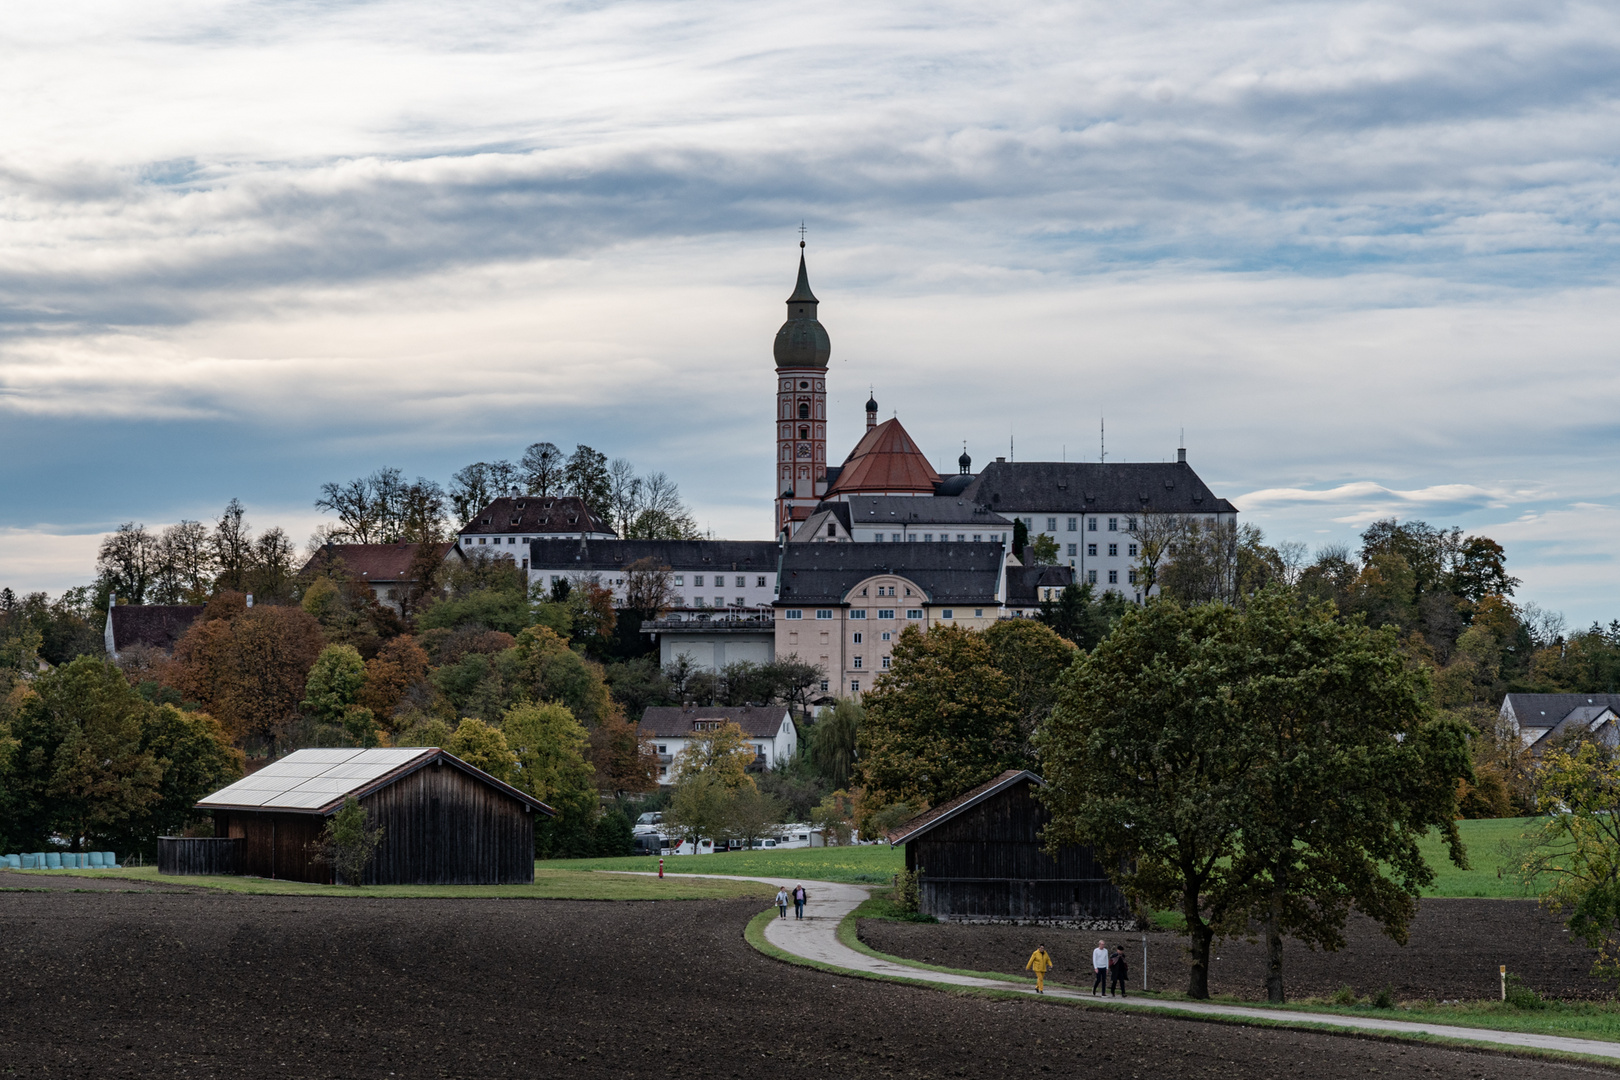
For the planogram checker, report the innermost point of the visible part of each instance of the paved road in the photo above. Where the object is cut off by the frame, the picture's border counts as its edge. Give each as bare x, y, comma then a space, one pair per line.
815, 937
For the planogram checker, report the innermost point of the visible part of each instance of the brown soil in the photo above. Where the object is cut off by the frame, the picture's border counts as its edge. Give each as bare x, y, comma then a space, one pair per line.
113, 985
1454, 951
74, 883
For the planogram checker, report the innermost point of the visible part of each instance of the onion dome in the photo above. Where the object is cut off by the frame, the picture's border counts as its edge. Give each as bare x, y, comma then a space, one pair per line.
871, 404
964, 462
802, 341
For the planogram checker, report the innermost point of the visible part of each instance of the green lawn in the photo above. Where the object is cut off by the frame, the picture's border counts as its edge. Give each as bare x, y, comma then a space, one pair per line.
868, 864
1582, 1020
1490, 872
551, 882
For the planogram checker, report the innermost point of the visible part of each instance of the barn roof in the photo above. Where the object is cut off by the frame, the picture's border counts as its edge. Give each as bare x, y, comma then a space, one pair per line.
317, 781
965, 801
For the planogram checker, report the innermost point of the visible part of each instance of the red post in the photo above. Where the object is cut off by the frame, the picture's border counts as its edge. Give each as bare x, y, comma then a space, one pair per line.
660, 866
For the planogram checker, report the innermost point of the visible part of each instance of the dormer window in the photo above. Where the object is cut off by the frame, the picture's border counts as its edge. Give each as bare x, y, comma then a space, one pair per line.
486, 521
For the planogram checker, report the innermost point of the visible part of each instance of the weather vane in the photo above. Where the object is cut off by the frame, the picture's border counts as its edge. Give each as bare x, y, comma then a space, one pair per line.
801, 234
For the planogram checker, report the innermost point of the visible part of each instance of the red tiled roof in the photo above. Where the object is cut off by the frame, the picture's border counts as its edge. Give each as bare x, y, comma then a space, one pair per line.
556, 515
373, 562
157, 625
887, 459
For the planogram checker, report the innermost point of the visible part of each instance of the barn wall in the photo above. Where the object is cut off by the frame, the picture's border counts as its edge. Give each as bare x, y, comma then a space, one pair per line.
987, 863
443, 827
276, 844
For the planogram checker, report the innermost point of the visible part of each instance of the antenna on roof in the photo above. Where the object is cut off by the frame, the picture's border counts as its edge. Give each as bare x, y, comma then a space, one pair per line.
1102, 439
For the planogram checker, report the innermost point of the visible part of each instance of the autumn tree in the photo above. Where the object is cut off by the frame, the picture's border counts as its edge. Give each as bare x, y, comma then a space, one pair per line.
401, 664
544, 669
231, 546
623, 756
483, 747
1041, 551
722, 753
941, 721
247, 667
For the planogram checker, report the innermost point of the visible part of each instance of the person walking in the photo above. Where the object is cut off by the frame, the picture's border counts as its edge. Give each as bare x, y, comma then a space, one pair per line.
781, 900
799, 897
1040, 962
1118, 969
1099, 968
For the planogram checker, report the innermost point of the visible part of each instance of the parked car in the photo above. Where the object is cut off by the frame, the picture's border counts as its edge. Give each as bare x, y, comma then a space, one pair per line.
651, 817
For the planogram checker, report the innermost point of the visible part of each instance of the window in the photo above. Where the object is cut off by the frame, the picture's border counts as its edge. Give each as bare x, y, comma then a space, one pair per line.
680, 579
856, 638
928, 538
1074, 549
858, 613
1091, 576
1130, 524
1074, 524
885, 612
894, 538
914, 613
663, 770
1113, 524
885, 663
804, 411
1113, 549
558, 577
719, 601
739, 601
1091, 524
858, 662
977, 537
663, 748
1091, 550
855, 686
697, 579
823, 686
1132, 577
677, 601
948, 613
481, 540
832, 528
960, 538
887, 636
824, 613
794, 613
978, 613
1131, 550
742, 583
1113, 577
759, 582
1051, 524
466, 540
878, 537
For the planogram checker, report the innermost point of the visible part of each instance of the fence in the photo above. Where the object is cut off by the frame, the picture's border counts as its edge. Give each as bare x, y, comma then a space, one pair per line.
200, 854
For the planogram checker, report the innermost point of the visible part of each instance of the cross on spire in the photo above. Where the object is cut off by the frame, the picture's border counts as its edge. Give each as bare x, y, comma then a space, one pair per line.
801, 233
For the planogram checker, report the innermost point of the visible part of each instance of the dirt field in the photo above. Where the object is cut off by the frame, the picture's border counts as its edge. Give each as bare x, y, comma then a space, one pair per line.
116, 985
1455, 949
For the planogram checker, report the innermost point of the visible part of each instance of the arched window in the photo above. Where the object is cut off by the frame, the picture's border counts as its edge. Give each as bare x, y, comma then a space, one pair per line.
804, 411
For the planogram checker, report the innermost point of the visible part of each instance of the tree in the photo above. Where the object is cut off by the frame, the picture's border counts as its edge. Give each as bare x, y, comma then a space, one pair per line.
81, 770
128, 562
332, 692
1042, 551
586, 476
270, 571
1155, 536
835, 817
1203, 564
544, 668
625, 760
833, 740
648, 588
231, 544
196, 758
722, 753
472, 488
185, 564
359, 510
940, 721
483, 747
1480, 570
1081, 617
1574, 853
248, 667
698, 809
1033, 658
542, 469
1274, 764
663, 516
624, 495
753, 815
549, 747
400, 665
348, 843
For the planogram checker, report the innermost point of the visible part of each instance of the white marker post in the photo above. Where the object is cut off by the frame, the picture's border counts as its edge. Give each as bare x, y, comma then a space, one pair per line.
1504, 982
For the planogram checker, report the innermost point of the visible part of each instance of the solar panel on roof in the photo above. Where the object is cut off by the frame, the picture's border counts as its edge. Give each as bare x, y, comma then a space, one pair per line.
306, 779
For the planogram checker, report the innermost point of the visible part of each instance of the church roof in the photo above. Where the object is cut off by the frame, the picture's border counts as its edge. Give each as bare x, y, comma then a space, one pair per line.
885, 461
1160, 487
801, 292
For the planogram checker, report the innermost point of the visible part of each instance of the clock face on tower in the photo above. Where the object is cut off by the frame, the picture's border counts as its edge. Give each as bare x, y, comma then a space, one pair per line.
804, 450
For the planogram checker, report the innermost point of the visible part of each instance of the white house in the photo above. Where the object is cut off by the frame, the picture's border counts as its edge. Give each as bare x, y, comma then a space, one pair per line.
769, 728
508, 525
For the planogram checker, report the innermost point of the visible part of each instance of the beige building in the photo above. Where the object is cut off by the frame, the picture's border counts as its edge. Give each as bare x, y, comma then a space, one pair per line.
843, 606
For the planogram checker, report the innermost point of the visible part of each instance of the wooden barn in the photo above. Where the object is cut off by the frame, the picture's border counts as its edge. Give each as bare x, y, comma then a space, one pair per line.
444, 822
979, 859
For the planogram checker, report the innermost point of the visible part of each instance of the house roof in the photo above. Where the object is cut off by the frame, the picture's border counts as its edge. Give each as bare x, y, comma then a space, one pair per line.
1169, 487
557, 515
946, 573
1025, 582
674, 721
157, 625
601, 555
1547, 710
374, 562
911, 510
317, 781
885, 460
965, 801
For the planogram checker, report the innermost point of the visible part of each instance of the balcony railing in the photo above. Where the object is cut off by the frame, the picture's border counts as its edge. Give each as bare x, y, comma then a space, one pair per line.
719, 620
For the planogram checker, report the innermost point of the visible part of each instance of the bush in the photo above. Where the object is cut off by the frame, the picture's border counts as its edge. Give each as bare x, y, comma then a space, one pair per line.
907, 894
1520, 996
1344, 995
1385, 998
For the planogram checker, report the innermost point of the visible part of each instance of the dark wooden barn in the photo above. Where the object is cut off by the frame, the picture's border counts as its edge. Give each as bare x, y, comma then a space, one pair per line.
444, 822
979, 859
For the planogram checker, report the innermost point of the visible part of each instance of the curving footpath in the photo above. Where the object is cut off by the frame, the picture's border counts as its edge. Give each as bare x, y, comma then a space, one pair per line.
815, 937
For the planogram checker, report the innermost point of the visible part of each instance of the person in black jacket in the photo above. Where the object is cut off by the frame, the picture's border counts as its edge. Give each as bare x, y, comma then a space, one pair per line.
1118, 969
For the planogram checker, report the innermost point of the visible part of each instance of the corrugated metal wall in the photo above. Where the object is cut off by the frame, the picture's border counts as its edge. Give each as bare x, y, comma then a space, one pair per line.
987, 863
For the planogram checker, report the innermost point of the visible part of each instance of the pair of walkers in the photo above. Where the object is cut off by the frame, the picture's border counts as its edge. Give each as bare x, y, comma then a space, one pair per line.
798, 896
1110, 968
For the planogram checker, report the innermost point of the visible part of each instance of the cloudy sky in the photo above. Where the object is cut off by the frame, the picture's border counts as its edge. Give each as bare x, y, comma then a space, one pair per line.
1363, 254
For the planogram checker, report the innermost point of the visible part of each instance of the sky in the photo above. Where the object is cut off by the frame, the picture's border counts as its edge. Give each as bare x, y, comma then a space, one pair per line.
1360, 256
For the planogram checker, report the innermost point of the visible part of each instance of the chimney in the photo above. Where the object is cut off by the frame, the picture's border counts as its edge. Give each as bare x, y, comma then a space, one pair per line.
112, 601
1181, 455
249, 599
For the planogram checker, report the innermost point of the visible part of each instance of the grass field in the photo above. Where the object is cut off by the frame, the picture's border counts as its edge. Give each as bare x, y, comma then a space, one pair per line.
1490, 872
874, 864
551, 882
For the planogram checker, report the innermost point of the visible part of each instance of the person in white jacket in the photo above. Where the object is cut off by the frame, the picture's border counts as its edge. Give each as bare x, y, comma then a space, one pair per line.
782, 900
1099, 965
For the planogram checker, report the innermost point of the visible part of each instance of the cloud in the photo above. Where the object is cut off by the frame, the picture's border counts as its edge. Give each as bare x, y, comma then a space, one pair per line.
1375, 500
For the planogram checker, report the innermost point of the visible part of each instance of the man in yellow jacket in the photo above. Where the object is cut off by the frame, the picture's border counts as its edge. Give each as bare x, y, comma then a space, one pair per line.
1040, 962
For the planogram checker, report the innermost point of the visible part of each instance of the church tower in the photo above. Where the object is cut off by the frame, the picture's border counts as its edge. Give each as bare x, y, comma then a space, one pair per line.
802, 348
